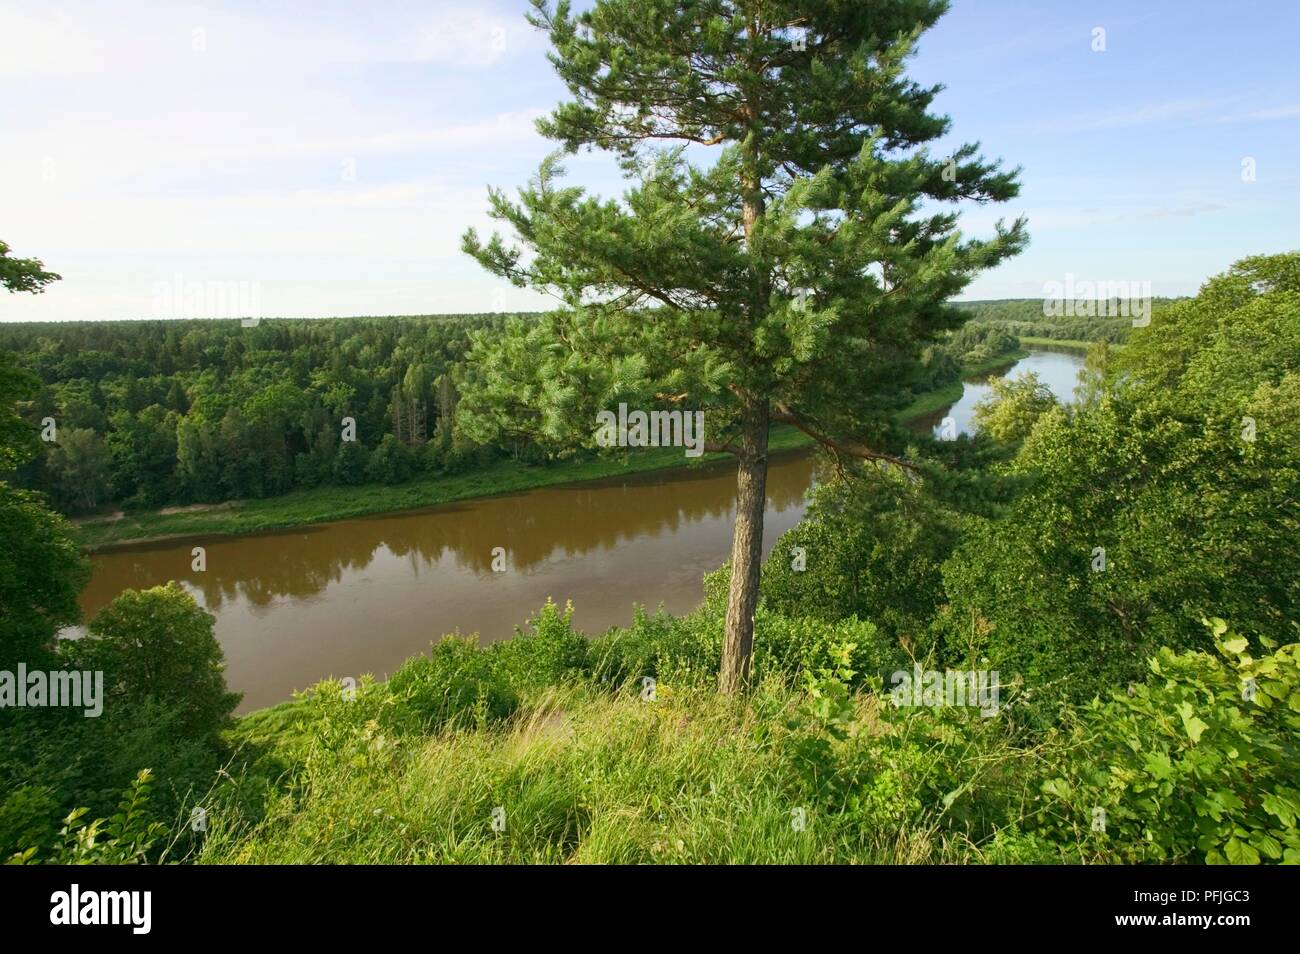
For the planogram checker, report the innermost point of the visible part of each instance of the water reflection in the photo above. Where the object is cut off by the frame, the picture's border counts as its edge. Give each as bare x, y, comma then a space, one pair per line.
362, 595
1059, 370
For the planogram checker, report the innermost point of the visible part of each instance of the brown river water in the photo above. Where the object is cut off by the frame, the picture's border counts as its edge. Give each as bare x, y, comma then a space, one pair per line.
360, 596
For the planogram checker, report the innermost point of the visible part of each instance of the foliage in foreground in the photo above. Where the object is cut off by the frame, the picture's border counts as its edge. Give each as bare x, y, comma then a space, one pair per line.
816, 765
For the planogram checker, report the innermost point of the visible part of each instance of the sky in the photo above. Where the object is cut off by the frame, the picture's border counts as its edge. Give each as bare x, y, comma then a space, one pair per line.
324, 158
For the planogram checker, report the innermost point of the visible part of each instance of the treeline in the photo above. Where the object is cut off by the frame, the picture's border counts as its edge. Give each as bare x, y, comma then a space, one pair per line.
1108, 321
152, 413
972, 344
147, 413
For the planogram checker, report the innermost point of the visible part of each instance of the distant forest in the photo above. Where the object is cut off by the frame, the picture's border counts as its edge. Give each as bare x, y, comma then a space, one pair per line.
1024, 317
152, 413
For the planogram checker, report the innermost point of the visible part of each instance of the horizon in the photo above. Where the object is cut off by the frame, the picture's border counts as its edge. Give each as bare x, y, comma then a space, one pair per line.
480, 314
334, 157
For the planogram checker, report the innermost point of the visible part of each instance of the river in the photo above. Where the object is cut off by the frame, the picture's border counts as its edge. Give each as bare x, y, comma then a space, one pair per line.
1058, 369
360, 596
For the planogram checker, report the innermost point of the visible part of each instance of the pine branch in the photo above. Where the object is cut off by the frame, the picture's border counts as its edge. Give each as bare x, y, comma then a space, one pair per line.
784, 415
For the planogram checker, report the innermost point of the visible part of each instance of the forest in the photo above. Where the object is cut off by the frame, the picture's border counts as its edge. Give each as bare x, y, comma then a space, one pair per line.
155, 413
1067, 636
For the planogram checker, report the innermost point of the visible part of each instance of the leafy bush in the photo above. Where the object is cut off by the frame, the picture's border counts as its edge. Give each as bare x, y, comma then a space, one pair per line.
1012, 407
894, 772
1198, 764
128, 837
456, 685
792, 646
159, 644
684, 649
551, 654
873, 547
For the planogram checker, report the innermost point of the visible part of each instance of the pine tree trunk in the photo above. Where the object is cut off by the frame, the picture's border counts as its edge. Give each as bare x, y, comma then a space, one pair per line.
751, 476
446, 409
746, 549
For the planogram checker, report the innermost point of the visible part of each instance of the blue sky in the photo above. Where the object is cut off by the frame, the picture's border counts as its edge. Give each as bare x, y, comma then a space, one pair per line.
331, 154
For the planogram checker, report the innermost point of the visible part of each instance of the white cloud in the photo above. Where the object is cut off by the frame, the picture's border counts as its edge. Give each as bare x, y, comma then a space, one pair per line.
1275, 112
1179, 109
76, 38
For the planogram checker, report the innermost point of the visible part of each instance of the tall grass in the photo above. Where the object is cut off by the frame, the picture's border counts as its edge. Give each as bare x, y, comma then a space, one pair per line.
583, 777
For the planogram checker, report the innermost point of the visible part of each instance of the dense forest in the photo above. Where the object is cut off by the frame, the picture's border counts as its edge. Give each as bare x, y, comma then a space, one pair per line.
1105, 320
151, 413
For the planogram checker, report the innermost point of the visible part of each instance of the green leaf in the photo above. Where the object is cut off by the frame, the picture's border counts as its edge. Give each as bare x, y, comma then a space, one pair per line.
1266, 844
1240, 853
1191, 722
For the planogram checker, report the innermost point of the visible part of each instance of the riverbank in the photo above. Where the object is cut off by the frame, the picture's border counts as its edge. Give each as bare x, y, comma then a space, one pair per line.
940, 398
1074, 344
327, 504
549, 749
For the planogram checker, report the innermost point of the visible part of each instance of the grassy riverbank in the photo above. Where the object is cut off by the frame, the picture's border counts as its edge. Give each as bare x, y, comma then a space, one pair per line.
1074, 344
548, 749
324, 504
577, 776
940, 398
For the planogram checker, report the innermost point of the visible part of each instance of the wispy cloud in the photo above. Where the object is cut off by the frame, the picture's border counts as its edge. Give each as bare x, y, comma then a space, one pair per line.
79, 38
1120, 118
1291, 111
1186, 211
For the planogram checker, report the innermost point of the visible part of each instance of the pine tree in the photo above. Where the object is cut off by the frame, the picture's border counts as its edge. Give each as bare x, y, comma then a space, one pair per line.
792, 274
445, 428
416, 385
397, 411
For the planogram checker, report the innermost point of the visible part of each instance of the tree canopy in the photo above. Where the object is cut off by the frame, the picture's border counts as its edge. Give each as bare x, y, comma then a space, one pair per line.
794, 275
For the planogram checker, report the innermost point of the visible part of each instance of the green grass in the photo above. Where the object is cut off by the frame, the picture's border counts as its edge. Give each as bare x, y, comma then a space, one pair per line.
584, 777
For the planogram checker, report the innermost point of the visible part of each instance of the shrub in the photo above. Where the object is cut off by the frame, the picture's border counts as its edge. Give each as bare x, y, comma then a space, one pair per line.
456, 685
1197, 764
128, 837
789, 646
892, 773
1012, 406
873, 548
552, 653
159, 644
